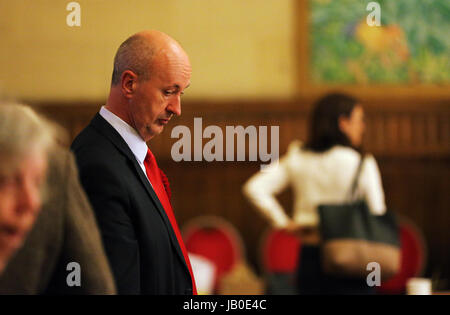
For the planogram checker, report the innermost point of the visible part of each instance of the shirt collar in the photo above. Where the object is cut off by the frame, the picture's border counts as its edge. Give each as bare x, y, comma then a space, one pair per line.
134, 141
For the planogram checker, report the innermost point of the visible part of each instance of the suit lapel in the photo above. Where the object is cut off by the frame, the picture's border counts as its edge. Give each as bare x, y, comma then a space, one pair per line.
101, 125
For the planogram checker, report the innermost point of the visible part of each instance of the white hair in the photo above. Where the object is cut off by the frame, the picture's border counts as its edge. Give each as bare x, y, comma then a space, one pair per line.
22, 130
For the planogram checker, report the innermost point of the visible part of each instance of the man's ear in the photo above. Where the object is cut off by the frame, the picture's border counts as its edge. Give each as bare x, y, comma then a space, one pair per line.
128, 83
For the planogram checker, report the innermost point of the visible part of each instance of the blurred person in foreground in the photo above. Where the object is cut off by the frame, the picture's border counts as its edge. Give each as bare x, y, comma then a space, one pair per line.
24, 143
65, 230
320, 171
129, 193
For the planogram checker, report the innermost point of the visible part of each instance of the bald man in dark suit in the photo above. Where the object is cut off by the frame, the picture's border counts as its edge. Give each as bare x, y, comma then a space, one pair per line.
128, 191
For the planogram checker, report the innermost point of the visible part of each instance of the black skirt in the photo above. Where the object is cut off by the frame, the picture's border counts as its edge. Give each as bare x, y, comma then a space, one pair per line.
312, 280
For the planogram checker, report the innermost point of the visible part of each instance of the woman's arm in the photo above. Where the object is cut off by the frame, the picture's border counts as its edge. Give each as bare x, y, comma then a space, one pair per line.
262, 187
371, 186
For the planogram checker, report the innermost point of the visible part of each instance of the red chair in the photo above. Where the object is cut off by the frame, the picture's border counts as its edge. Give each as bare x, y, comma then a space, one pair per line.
413, 256
280, 251
280, 254
217, 240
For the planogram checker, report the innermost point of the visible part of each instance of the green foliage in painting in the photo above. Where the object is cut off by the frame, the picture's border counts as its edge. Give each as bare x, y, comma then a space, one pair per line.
412, 45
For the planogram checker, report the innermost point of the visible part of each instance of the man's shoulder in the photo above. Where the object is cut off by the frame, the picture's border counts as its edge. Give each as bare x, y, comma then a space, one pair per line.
92, 146
88, 136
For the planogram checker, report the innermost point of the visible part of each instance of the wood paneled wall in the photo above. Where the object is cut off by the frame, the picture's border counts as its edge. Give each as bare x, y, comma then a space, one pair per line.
410, 141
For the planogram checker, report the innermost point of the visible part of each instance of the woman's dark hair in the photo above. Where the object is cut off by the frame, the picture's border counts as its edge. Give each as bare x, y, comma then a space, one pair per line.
324, 131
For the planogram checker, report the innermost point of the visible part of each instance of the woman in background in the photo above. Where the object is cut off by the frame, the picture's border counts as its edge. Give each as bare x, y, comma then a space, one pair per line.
25, 139
320, 171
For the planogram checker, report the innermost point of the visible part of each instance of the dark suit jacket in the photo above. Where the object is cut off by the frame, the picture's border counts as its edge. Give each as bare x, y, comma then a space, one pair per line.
139, 240
65, 231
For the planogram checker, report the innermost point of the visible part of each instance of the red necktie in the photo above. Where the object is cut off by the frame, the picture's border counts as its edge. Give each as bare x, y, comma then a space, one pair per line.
154, 175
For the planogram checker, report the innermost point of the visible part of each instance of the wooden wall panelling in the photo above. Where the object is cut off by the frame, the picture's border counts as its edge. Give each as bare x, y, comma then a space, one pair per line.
410, 142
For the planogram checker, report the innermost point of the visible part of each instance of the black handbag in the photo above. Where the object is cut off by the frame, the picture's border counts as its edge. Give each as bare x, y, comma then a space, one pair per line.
352, 237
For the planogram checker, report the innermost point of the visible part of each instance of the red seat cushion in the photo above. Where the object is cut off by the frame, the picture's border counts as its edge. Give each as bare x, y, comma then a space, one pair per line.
216, 245
281, 252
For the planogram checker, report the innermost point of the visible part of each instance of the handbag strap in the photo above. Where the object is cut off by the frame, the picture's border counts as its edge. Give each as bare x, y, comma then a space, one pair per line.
355, 179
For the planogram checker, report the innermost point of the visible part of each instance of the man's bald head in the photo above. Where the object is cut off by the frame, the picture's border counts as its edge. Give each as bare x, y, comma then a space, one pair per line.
151, 72
138, 51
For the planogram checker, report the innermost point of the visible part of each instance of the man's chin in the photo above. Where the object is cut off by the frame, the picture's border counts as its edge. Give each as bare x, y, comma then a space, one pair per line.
154, 131
158, 129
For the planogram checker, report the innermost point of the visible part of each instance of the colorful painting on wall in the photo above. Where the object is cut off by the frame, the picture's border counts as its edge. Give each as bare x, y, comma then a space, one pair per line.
410, 47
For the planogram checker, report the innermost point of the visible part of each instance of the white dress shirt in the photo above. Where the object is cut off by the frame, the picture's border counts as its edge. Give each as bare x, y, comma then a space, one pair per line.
134, 141
316, 178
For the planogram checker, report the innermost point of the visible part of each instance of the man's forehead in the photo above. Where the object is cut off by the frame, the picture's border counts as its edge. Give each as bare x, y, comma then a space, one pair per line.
176, 77
177, 86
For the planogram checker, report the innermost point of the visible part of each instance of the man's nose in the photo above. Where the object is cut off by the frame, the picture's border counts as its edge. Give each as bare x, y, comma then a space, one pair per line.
175, 105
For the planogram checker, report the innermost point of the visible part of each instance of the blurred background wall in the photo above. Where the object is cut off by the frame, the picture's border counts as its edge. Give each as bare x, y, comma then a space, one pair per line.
237, 48
254, 63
